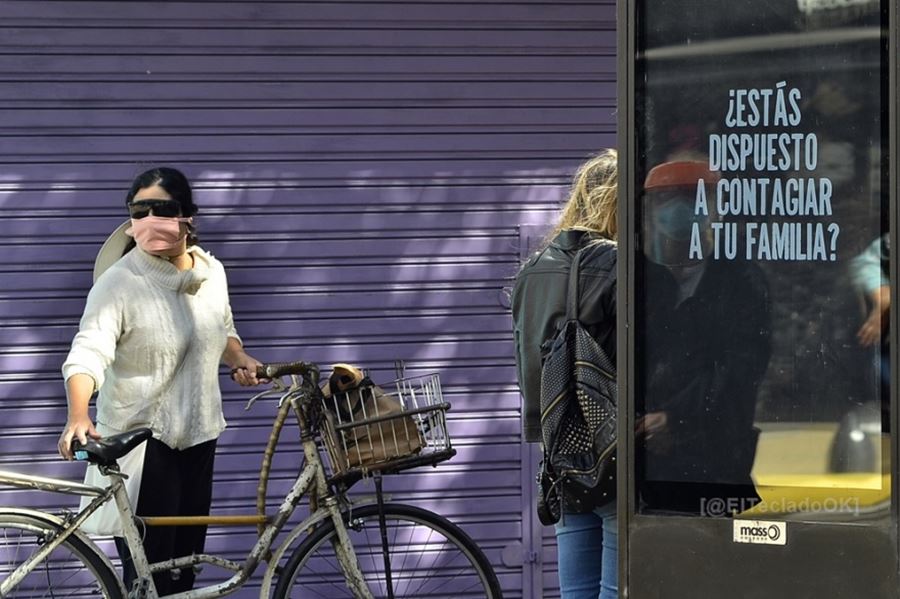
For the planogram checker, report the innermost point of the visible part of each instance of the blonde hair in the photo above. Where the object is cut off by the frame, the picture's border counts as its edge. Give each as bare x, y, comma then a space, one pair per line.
593, 199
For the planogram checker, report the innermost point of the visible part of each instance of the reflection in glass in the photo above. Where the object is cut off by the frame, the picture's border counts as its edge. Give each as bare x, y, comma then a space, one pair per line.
762, 303
706, 340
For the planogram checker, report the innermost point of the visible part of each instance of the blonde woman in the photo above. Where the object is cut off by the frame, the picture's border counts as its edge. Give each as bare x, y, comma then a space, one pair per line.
587, 542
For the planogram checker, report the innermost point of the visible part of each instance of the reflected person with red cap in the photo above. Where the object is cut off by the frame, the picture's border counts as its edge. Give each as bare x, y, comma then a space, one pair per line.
673, 213
705, 338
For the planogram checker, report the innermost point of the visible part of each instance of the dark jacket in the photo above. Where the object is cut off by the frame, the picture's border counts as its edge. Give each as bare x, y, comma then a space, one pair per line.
702, 360
539, 307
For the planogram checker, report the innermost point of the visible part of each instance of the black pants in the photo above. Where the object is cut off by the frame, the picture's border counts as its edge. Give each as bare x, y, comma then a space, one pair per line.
173, 483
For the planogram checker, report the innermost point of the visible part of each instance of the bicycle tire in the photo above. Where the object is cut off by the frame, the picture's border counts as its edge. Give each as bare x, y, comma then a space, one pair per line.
430, 557
73, 569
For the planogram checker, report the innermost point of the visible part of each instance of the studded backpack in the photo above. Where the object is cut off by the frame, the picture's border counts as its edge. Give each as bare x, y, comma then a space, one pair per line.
578, 417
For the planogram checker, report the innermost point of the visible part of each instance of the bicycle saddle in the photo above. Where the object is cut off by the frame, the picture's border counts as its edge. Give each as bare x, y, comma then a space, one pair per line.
107, 450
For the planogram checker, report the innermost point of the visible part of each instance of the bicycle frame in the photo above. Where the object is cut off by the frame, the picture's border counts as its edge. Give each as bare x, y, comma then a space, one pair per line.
311, 478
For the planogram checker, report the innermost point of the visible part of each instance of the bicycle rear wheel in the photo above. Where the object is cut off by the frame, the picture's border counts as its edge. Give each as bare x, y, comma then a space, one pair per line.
430, 557
71, 570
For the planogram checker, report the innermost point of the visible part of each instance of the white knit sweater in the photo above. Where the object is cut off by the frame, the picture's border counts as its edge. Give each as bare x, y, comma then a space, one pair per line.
152, 339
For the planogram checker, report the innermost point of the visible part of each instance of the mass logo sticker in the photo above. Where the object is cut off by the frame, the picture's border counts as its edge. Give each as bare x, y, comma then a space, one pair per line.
761, 532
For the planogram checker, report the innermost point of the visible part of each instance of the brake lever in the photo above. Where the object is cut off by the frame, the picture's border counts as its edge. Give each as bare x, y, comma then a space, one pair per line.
278, 386
258, 396
293, 389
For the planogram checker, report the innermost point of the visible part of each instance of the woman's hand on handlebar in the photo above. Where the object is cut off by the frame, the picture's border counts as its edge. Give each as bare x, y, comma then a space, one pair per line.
243, 365
244, 371
77, 428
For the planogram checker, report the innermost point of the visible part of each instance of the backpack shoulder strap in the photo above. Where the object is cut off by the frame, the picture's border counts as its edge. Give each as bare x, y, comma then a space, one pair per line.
572, 293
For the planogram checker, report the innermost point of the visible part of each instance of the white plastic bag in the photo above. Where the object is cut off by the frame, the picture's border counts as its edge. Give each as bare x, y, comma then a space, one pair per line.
105, 521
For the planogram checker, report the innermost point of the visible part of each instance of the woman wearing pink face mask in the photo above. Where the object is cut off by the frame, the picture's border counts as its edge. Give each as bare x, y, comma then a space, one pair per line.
155, 329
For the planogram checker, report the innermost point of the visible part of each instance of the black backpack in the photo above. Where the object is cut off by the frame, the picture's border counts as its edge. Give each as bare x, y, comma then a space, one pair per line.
578, 417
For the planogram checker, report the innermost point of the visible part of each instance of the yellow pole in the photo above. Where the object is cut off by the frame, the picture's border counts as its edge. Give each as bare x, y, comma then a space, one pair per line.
254, 520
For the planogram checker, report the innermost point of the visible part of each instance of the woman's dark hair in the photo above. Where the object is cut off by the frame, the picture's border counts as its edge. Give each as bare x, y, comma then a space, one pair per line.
170, 179
176, 185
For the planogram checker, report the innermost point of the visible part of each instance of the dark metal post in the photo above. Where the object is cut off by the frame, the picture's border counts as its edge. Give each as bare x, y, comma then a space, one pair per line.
382, 527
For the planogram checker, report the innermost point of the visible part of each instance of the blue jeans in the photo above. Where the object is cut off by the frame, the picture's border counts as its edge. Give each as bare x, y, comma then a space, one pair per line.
587, 545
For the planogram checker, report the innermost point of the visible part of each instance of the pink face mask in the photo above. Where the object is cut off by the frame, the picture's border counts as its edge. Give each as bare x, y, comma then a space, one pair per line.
158, 234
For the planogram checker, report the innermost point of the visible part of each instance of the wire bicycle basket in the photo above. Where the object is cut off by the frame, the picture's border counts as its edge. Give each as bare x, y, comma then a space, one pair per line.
386, 428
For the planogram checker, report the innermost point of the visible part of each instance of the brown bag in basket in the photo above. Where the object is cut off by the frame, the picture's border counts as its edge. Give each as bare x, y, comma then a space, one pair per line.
388, 435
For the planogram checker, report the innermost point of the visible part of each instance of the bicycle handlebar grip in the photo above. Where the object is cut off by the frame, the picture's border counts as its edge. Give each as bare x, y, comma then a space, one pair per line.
306, 369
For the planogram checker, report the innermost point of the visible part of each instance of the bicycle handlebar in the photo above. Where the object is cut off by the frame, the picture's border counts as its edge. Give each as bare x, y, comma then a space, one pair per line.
307, 370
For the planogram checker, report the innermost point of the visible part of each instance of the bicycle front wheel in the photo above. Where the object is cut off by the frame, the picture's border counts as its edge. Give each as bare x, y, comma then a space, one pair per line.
429, 557
73, 569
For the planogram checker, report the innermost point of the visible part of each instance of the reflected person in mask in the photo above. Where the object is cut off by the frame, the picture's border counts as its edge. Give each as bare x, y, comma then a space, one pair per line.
705, 348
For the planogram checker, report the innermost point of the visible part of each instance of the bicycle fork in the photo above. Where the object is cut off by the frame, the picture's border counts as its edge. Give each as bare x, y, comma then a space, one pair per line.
346, 556
343, 547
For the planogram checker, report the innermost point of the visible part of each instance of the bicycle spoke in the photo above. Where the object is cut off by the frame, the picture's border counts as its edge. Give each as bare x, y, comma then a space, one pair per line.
336, 582
374, 557
332, 584
422, 554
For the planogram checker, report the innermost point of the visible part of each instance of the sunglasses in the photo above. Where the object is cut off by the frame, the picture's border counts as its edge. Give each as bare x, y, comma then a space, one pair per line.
164, 208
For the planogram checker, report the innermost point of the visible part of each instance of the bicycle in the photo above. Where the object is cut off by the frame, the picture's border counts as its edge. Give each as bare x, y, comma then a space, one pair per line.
365, 548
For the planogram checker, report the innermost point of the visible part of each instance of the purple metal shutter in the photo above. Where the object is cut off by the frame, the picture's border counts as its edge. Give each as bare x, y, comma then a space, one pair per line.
362, 169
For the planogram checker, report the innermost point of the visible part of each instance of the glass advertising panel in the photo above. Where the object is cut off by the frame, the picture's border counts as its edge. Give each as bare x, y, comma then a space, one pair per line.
762, 290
